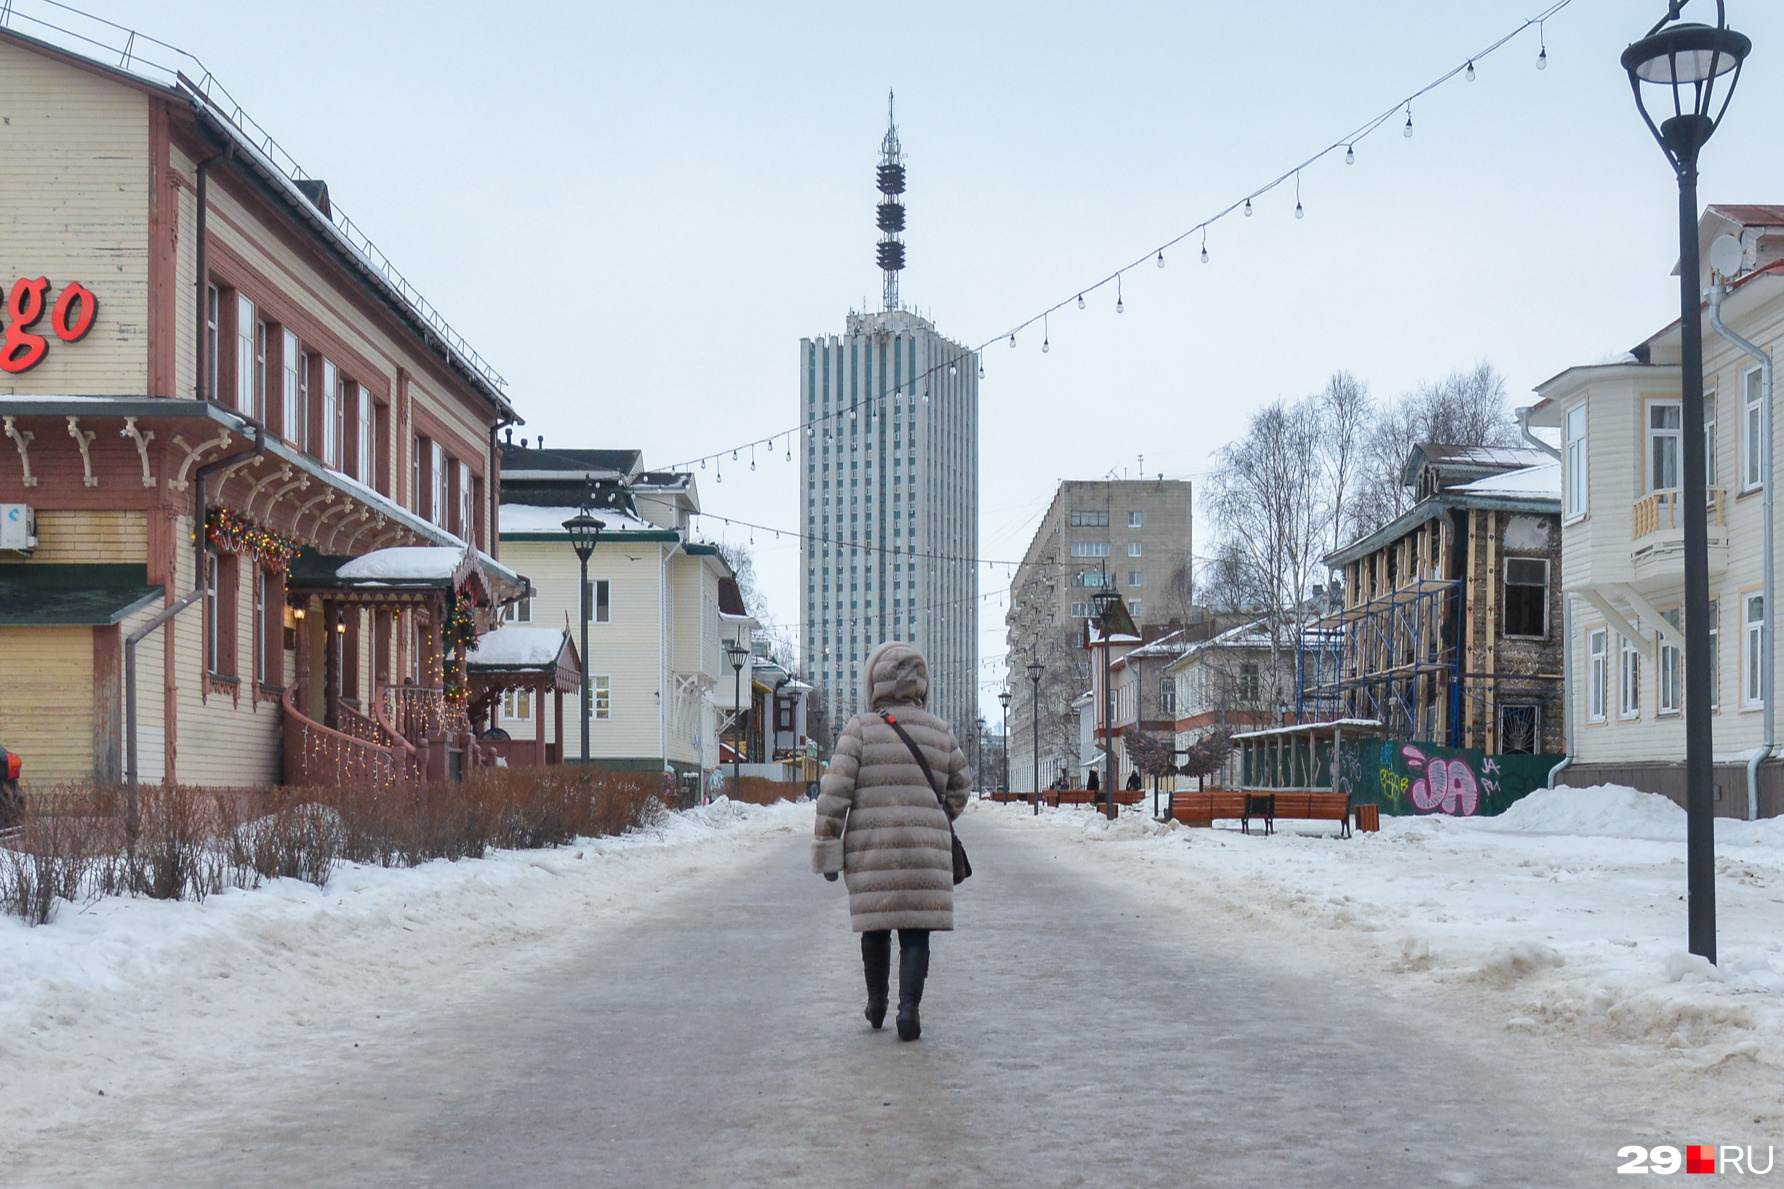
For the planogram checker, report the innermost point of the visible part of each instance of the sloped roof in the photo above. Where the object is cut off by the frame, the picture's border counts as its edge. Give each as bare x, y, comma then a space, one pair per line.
535, 460
515, 647
1543, 479
51, 594
1756, 214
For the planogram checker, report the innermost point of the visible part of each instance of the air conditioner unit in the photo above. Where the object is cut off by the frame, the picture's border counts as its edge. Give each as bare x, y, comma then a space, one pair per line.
18, 527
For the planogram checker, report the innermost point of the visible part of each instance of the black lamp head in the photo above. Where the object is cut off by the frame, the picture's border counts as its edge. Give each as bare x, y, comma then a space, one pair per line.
585, 532
1676, 67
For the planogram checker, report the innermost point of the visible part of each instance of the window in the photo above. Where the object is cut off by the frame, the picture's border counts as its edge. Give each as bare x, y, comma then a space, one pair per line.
439, 507
1527, 597
463, 527
366, 448
331, 414
1090, 578
1752, 431
1136, 577
294, 367
1715, 653
1090, 520
597, 596
1167, 694
1135, 549
417, 487
1133, 520
1248, 684
1669, 674
1709, 439
261, 602
1090, 549
250, 363
1136, 608
1517, 730
603, 697
212, 634
1081, 610
1753, 650
519, 611
1629, 671
213, 304
1663, 446
1596, 675
220, 621
1576, 461
517, 704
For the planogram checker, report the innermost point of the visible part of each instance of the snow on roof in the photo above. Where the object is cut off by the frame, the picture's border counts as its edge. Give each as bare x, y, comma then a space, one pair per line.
526, 518
1363, 724
412, 563
513, 647
1505, 456
1543, 479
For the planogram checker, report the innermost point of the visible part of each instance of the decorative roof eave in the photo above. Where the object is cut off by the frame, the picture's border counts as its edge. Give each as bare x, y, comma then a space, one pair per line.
1431, 508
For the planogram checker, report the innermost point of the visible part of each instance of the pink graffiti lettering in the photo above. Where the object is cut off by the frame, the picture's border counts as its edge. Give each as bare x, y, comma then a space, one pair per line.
1447, 786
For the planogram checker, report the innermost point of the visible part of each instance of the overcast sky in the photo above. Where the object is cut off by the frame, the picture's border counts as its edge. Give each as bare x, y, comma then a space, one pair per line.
636, 210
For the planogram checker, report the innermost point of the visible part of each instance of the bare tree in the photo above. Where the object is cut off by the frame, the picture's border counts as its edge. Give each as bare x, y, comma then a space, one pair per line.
1466, 408
743, 567
1347, 411
1273, 503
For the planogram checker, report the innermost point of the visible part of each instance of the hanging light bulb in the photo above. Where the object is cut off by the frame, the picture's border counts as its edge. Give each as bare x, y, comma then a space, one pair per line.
1080, 301
1470, 75
1350, 154
733, 456
953, 369
1012, 340
1161, 258
789, 451
1299, 212
1407, 131
1046, 336
1118, 306
1248, 208
981, 369
1204, 252
1542, 59
702, 464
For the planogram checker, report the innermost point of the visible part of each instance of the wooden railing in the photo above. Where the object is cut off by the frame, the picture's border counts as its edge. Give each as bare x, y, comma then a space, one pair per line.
319, 755
438, 735
1660, 511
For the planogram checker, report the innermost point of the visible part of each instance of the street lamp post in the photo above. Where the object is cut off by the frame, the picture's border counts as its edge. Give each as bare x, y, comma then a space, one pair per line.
979, 748
1678, 64
1035, 669
585, 533
737, 654
1003, 700
1105, 600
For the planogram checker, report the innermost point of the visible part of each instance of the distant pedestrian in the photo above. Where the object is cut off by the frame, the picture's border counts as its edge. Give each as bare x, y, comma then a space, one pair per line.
1093, 784
884, 828
1133, 781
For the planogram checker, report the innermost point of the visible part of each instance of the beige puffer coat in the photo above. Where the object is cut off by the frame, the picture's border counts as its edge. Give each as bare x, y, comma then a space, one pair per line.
878, 822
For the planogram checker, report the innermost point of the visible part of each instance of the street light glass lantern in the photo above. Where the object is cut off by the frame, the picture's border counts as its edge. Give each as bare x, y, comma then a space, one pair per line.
585, 532
1003, 699
1676, 67
1035, 668
737, 654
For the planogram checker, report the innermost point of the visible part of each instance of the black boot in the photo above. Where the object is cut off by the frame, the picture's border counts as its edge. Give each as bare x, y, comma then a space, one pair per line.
876, 960
913, 968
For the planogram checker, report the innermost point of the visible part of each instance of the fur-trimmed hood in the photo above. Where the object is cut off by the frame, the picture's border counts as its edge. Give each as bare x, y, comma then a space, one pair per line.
896, 675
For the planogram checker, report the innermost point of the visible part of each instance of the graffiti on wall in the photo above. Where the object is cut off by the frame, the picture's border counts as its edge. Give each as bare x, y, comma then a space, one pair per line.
1423, 778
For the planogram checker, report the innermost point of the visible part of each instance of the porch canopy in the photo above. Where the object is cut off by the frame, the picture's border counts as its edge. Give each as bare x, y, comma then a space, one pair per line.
1300, 757
539, 660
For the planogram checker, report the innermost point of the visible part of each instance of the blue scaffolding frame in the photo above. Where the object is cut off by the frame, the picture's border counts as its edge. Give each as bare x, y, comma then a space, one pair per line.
1387, 659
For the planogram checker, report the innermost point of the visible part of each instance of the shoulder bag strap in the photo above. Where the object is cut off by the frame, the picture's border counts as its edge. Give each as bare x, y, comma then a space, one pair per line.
922, 760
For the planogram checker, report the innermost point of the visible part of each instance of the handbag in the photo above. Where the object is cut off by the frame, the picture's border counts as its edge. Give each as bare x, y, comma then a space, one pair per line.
962, 869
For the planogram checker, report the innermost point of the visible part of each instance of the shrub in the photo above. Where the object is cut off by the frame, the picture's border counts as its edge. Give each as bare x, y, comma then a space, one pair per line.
190, 843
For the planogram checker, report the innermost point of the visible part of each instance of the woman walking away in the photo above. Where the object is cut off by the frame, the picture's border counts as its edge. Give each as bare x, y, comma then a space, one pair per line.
885, 827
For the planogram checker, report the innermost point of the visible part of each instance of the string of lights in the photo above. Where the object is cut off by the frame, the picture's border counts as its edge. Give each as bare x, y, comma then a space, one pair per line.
1241, 205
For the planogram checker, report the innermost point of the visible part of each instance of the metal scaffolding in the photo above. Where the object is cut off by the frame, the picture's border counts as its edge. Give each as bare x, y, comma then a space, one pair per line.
1395, 659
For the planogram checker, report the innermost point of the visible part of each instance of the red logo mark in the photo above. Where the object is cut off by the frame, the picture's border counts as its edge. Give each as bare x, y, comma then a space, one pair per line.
1700, 1158
71, 319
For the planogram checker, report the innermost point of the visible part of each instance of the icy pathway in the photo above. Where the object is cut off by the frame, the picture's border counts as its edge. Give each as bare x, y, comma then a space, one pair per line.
1075, 1033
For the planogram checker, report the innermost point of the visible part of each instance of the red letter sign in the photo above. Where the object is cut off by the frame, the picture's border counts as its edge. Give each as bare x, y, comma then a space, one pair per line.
74, 332
22, 349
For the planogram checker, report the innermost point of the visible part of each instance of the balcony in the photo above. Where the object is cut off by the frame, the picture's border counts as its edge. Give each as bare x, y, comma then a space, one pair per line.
1657, 549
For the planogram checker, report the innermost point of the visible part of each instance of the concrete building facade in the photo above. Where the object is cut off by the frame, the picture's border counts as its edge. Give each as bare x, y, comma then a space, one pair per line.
1134, 534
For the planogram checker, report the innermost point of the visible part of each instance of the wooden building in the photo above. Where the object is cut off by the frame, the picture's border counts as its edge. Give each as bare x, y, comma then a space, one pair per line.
240, 452
1451, 631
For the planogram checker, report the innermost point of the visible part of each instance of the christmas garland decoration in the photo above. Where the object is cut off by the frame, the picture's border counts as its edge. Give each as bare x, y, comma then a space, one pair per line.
457, 636
230, 533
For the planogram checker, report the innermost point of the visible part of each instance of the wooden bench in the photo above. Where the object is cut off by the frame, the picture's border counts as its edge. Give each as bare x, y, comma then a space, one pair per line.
1305, 805
1206, 807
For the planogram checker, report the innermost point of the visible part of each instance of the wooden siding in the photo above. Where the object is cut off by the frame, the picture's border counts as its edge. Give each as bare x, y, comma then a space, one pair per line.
74, 206
90, 536
46, 701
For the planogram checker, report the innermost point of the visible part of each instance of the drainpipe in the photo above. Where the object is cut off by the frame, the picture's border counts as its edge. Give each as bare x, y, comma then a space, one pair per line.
204, 281
132, 818
1524, 428
1566, 681
1716, 293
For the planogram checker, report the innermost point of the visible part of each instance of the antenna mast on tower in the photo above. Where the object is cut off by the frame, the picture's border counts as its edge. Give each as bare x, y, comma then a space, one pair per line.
890, 250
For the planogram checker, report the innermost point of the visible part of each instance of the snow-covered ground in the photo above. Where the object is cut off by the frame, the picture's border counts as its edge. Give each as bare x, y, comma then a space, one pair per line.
1561, 922
121, 991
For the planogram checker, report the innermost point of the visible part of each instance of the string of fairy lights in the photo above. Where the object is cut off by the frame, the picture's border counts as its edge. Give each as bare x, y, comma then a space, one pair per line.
1346, 145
